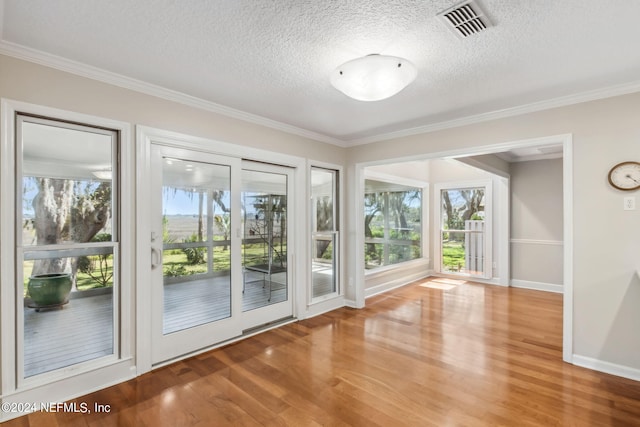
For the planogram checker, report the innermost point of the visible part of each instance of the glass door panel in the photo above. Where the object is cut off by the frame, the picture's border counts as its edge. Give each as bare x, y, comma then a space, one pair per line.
196, 250
264, 248
219, 249
194, 272
463, 231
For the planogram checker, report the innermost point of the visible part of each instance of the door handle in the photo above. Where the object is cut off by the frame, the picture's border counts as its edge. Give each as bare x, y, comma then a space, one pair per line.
155, 258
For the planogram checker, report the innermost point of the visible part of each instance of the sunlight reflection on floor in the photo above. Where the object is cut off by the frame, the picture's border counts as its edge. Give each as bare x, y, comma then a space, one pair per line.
442, 283
436, 285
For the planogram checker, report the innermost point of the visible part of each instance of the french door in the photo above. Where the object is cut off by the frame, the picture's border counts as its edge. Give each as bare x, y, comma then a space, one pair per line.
219, 259
465, 238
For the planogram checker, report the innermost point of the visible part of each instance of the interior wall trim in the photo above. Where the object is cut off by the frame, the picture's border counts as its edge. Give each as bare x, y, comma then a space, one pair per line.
537, 242
607, 367
397, 283
538, 286
94, 73
578, 98
32, 55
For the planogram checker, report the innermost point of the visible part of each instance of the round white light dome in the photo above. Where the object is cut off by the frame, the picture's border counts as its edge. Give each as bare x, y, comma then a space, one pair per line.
373, 77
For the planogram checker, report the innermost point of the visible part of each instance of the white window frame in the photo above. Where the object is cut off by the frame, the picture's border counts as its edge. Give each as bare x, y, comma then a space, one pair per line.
424, 242
78, 379
336, 299
335, 233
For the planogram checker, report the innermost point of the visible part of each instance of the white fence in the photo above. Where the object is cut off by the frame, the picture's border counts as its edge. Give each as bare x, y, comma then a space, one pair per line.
474, 246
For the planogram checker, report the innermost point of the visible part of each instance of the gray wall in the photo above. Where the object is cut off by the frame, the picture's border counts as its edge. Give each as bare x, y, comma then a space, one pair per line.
536, 222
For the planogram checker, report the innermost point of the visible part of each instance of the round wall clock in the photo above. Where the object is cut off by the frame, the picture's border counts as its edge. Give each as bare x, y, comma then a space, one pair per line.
625, 176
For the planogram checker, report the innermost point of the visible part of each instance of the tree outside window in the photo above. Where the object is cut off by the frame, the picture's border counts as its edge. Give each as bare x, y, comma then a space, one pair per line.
392, 223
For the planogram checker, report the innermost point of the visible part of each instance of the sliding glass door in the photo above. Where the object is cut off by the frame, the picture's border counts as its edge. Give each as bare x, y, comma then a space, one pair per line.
220, 258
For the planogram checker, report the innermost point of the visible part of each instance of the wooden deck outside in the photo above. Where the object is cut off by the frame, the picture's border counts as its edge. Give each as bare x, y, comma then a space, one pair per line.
321, 279
198, 302
79, 331
83, 329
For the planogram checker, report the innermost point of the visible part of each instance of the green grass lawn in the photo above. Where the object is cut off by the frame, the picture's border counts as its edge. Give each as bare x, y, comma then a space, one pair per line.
453, 255
174, 263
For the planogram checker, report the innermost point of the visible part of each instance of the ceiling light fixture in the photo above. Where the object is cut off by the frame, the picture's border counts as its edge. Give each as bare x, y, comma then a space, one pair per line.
373, 77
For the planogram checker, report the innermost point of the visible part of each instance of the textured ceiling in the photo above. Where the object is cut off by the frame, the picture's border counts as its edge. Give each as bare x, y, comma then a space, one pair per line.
273, 58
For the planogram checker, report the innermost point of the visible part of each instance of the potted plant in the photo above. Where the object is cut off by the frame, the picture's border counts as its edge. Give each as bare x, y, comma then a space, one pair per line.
49, 290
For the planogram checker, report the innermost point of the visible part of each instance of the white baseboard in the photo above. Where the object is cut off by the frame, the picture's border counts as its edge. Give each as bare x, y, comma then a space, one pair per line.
350, 303
495, 281
396, 283
538, 286
322, 307
607, 367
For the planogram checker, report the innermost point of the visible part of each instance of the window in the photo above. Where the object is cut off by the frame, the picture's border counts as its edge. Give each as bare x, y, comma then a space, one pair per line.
324, 232
392, 223
67, 245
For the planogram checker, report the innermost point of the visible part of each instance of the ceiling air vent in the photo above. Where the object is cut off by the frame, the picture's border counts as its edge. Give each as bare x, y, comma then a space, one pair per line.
465, 19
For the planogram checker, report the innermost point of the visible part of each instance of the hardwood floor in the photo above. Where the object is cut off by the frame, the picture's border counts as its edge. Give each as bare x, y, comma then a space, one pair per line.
434, 353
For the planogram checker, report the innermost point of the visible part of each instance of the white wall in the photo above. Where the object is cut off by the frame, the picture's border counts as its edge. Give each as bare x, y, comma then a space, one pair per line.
606, 241
488, 162
418, 170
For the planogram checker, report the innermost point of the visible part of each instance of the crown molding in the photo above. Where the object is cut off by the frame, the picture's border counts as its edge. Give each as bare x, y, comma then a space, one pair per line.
88, 71
84, 70
593, 95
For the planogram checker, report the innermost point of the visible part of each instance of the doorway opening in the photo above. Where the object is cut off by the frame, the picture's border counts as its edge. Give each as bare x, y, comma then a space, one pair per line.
496, 161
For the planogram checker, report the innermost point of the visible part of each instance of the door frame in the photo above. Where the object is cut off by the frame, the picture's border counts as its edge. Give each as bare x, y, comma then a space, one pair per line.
145, 136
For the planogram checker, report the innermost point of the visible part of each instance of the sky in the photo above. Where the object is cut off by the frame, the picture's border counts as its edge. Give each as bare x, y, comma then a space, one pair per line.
184, 203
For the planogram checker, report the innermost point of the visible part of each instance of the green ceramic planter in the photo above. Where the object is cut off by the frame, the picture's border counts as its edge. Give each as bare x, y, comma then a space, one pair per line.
49, 290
